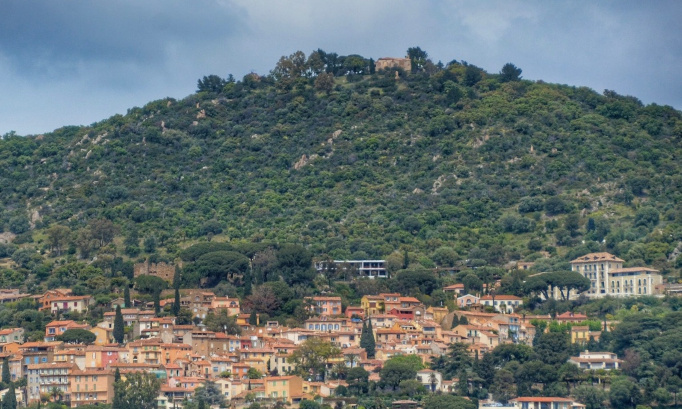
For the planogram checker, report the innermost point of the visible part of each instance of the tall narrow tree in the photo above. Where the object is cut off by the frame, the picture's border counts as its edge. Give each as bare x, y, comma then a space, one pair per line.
367, 339
10, 400
176, 303
157, 302
126, 297
6, 378
119, 326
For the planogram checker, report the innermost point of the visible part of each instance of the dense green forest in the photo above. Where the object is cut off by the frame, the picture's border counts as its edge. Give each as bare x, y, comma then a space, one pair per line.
445, 165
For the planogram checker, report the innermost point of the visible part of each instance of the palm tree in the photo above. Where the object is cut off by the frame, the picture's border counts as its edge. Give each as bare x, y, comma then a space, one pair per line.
56, 393
351, 358
433, 379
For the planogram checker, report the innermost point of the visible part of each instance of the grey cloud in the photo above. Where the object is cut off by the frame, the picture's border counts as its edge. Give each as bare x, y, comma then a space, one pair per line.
103, 57
54, 37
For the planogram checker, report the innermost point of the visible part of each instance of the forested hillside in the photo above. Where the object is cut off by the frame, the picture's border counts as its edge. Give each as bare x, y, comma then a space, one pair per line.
448, 164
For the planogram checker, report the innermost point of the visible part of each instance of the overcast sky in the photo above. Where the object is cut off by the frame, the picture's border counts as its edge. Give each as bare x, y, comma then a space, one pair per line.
77, 62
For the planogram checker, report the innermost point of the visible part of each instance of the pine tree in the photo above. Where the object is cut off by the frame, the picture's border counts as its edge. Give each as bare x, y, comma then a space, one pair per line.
202, 404
126, 297
6, 378
119, 330
176, 303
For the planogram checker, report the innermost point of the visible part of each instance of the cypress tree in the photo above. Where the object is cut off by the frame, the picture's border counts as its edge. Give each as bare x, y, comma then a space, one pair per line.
176, 303
253, 318
10, 400
157, 302
6, 377
126, 297
455, 320
119, 326
371, 343
463, 320
363, 335
117, 375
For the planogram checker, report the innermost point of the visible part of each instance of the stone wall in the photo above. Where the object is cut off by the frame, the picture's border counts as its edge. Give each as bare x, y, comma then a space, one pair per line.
162, 270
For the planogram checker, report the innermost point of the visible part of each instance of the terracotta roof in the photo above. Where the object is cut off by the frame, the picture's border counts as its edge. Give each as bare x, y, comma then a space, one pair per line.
592, 257
541, 399
501, 297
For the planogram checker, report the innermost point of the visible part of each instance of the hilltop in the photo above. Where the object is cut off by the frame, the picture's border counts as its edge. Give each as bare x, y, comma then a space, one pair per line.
447, 163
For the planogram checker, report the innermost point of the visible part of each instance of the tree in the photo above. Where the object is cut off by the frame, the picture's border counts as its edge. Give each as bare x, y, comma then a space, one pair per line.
138, 391
398, 369
455, 361
510, 73
503, 387
175, 309
210, 394
472, 75
117, 375
6, 377
455, 321
358, 380
10, 399
367, 341
102, 230
253, 318
418, 58
150, 244
157, 302
77, 336
219, 265
211, 83
221, 322
567, 281
325, 82
624, 394
591, 397
552, 347
312, 356
295, 264
126, 297
445, 257
119, 326
254, 373
411, 387
58, 236
447, 402
150, 284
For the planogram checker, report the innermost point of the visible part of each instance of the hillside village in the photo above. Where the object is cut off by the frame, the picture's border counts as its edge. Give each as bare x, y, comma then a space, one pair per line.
348, 233
256, 365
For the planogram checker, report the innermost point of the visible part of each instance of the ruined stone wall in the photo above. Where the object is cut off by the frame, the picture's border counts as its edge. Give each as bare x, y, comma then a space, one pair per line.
162, 270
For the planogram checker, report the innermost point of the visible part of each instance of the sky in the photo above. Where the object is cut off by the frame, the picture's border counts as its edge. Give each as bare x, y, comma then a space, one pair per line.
76, 62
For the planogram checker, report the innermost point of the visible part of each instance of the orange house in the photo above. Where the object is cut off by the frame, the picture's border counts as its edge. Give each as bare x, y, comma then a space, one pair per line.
91, 387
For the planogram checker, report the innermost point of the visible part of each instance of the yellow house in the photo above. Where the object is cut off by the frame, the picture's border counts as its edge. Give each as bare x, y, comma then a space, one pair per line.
372, 304
284, 388
104, 334
580, 334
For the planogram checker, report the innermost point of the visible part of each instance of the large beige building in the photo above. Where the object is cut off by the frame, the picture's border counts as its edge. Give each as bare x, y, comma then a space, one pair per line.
608, 277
